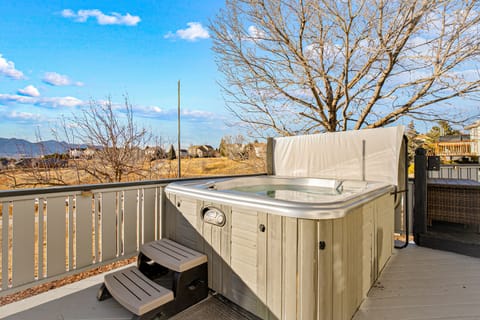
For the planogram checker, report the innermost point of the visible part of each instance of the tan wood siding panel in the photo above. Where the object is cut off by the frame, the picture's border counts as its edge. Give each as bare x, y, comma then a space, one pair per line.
369, 247
307, 269
56, 232
339, 281
385, 218
354, 246
289, 274
23, 242
84, 225
186, 222
169, 229
261, 309
325, 271
216, 261
130, 220
244, 258
109, 225
244, 247
226, 250
274, 265
207, 234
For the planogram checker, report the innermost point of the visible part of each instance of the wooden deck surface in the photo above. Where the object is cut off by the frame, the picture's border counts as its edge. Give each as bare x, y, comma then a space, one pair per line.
421, 283
417, 283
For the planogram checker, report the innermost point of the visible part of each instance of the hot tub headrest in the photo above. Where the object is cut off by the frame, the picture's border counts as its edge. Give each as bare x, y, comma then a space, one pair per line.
373, 154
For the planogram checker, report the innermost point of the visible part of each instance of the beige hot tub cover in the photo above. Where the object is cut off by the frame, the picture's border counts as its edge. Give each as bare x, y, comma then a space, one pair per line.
339, 155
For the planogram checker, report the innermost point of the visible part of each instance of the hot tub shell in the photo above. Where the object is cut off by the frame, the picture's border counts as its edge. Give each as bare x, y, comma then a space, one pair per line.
292, 259
311, 261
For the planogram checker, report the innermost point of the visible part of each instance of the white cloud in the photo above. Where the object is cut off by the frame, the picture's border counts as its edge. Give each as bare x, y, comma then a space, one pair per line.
113, 18
194, 32
23, 116
29, 91
7, 68
186, 114
58, 80
198, 114
46, 102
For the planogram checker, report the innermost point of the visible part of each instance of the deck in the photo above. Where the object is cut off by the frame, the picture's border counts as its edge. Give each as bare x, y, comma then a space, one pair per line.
417, 283
422, 283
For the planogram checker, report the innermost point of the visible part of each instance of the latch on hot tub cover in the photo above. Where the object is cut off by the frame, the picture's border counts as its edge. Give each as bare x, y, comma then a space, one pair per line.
214, 216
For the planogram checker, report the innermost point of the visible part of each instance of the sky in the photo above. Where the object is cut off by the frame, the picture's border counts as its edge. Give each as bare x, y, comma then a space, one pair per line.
57, 56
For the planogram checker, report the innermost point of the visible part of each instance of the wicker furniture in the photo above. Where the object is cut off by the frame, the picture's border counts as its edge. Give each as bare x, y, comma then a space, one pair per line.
453, 200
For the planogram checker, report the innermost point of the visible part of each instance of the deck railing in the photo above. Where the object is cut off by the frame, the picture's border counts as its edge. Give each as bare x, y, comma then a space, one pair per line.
456, 148
464, 171
50, 233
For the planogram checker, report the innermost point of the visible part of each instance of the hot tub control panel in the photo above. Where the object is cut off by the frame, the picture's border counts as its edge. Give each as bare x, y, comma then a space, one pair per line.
214, 216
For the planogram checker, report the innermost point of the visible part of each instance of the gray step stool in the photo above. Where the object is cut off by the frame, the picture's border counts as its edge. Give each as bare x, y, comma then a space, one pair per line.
169, 278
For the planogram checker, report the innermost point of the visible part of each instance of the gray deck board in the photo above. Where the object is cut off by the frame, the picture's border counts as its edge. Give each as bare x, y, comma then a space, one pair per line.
417, 283
421, 283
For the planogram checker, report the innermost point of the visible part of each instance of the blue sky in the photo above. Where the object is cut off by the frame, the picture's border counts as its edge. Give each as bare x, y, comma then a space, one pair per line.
55, 56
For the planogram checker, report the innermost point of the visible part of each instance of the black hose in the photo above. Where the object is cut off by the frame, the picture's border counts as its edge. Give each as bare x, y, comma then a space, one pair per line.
405, 203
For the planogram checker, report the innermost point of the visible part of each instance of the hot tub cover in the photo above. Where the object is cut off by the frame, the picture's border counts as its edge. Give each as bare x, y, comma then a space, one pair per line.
339, 155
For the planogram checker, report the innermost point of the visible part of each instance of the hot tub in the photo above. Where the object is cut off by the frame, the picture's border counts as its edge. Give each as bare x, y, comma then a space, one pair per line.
310, 198
286, 247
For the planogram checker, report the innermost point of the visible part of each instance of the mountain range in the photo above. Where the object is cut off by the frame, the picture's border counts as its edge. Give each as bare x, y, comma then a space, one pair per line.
19, 148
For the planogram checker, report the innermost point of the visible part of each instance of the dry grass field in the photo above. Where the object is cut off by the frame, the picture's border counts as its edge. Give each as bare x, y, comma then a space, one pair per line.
159, 169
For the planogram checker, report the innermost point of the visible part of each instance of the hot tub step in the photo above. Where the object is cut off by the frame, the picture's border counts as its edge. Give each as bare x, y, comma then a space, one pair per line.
173, 255
136, 292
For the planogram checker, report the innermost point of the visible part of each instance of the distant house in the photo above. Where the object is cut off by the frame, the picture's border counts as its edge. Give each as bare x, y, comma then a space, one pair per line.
460, 146
183, 153
75, 153
89, 152
475, 137
154, 153
202, 151
52, 163
27, 163
5, 164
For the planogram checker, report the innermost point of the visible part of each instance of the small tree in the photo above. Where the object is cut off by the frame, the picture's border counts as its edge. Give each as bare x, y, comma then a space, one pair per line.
171, 155
222, 148
413, 142
115, 138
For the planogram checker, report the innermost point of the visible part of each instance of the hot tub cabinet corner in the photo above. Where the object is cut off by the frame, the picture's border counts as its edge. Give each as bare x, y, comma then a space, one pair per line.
282, 267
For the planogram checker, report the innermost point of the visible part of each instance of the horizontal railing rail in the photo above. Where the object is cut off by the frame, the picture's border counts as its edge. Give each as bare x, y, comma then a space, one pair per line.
49, 233
457, 171
456, 148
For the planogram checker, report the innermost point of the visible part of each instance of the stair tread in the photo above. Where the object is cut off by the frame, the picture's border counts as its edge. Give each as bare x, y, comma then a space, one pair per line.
133, 290
173, 255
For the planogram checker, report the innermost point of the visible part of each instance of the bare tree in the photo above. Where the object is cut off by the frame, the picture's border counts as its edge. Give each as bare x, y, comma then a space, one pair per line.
305, 66
234, 147
114, 140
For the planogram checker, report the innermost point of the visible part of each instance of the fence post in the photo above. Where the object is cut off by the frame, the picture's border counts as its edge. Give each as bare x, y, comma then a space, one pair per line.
420, 207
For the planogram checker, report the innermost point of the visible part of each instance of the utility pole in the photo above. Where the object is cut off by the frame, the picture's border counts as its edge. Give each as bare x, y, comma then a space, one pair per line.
178, 138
